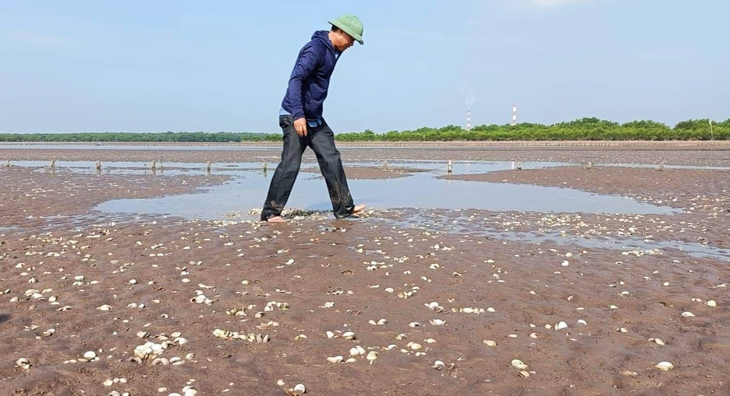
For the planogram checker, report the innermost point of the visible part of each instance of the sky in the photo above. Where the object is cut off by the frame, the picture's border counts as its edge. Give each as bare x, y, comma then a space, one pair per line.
164, 65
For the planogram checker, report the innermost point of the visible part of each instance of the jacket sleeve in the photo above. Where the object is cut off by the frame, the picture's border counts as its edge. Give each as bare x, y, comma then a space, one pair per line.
309, 58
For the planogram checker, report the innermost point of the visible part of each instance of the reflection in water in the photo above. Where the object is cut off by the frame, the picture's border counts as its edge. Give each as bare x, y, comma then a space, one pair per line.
420, 190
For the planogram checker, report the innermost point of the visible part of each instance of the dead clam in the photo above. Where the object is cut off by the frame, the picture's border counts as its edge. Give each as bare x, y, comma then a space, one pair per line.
299, 389
23, 363
335, 359
357, 351
664, 366
519, 364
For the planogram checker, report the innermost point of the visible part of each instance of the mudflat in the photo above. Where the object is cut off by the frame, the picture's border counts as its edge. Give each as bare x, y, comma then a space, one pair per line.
398, 301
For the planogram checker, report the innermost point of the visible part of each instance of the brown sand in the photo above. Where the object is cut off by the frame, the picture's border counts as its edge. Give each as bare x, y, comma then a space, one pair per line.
334, 276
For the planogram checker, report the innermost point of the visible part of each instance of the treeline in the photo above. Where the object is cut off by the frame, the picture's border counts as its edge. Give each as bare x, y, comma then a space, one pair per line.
582, 129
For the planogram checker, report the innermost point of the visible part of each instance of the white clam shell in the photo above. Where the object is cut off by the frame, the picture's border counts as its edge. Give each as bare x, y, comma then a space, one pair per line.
23, 363
335, 359
517, 363
664, 366
299, 389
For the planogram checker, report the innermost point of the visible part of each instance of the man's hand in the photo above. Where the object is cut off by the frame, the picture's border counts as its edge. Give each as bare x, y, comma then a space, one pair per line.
300, 124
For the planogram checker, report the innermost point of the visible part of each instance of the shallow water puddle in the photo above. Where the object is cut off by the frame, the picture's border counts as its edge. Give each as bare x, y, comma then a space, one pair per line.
420, 190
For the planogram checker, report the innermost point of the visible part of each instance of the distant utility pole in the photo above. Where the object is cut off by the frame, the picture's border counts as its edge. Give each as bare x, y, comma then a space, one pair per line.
514, 114
712, 136
468, 120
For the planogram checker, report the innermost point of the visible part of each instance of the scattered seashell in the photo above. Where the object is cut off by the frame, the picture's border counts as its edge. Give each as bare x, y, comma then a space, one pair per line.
524, 374
437, 322
299, 389
357, 351
23, 363
438, 365
490, 343
372, 355
519, 364
348, 335
664, 366
561, 325
711, 303
89, 355
414, 345
629, 373
104, 307
687, 314
656, 340
335, 359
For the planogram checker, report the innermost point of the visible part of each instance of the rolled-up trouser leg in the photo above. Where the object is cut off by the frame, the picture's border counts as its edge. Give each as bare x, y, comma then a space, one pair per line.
286, 172
322, 143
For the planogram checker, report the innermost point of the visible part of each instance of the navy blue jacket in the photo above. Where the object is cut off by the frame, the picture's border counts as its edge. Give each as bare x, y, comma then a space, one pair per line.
310, 78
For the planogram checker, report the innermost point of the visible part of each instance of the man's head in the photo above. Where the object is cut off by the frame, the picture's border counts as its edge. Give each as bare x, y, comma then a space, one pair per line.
345, 31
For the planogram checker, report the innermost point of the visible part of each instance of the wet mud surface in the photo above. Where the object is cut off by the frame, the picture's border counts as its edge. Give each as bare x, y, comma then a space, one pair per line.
440, 302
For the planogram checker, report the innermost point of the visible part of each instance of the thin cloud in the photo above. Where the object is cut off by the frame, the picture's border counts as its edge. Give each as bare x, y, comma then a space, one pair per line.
43, 40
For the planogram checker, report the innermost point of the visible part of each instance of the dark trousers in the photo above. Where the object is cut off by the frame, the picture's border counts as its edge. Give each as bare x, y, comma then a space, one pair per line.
322, 141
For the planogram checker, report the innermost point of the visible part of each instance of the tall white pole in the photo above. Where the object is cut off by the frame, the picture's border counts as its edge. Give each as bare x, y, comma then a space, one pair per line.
514, 114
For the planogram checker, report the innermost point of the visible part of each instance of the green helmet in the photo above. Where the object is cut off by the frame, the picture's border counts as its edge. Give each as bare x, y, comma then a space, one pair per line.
351, 25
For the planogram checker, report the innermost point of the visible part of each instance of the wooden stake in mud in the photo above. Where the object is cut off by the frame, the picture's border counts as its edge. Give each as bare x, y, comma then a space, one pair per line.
98, 166
449, 168
7, 164
53, 164
385, 165
207, 167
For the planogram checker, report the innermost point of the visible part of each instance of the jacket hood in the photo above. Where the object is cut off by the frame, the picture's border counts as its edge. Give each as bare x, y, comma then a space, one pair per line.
323, 37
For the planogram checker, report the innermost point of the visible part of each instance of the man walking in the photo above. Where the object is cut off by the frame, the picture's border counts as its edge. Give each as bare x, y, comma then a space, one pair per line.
301, 121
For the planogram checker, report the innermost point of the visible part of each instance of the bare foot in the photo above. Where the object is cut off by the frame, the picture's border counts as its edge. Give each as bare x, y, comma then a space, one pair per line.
275, 219
359, 208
